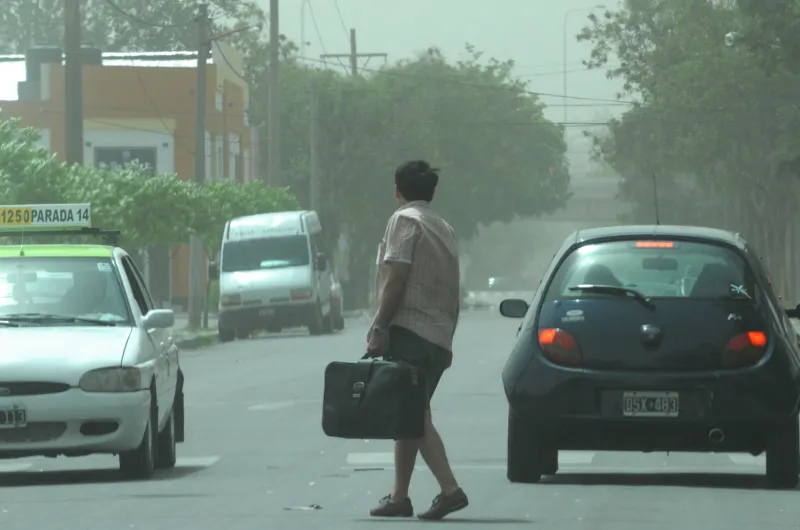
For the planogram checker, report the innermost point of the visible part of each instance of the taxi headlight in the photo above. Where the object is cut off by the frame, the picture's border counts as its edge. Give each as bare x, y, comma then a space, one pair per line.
117, 379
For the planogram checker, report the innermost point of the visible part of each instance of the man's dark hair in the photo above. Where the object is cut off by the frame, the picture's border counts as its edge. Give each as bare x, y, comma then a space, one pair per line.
416, 180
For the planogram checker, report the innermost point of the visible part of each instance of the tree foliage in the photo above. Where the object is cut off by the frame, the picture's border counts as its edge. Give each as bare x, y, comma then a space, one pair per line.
712, 124
473, 118
153, 25
499, 156
149, 210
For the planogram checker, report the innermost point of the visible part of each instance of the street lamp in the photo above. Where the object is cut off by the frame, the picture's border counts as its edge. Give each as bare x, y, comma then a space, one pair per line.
566, 17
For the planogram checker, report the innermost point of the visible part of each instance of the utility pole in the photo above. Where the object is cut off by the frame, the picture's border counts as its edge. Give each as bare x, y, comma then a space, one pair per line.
353, 56
73, 82
274, 96
314, 183
196, 290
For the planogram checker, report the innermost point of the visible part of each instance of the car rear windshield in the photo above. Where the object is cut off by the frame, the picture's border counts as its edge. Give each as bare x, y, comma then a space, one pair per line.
656, 269
73, 287
265, 253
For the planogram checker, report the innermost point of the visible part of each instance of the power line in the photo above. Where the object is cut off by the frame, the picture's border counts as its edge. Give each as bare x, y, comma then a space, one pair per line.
481, 85
144, 22
316, 27
341, 19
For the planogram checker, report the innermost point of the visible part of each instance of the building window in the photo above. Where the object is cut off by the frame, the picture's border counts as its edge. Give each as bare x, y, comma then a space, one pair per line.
209, 157
118, 157
220, 159
246, 162
234, 149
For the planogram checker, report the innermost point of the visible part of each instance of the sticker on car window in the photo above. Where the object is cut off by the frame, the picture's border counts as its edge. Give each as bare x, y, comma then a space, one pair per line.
104, 267
739, 290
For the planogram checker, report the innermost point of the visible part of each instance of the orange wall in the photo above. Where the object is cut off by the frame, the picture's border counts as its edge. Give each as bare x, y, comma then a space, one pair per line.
122, 92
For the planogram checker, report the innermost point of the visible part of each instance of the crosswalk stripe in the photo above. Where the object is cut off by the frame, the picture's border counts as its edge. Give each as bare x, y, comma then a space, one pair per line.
748, 460
14, 467
566, 459
196, 461
386, 460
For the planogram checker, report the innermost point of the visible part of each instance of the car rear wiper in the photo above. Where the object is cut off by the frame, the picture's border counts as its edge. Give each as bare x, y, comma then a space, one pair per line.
613, 289
43, 317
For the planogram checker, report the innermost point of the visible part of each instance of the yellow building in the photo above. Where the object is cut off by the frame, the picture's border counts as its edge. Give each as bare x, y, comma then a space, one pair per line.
141, 106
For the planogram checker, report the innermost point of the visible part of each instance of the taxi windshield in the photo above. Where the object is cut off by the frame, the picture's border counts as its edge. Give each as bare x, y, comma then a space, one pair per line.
86, 288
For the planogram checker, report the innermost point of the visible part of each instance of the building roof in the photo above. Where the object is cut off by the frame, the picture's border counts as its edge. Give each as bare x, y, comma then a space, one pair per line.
12, 67
56, 251
658, 232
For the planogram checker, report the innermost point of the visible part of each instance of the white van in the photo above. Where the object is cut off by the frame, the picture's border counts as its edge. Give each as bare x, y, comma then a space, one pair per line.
272, 275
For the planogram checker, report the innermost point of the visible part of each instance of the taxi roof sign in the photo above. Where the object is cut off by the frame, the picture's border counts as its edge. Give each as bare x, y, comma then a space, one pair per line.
33, 217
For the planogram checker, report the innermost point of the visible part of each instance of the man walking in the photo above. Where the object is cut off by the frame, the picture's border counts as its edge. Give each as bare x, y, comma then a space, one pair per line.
416, 319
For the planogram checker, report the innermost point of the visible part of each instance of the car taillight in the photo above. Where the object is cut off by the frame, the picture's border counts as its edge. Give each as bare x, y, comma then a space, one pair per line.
560, 347
745, 349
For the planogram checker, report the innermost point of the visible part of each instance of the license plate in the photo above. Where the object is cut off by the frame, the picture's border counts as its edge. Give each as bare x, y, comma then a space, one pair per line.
13, 418
266, 312
650, 404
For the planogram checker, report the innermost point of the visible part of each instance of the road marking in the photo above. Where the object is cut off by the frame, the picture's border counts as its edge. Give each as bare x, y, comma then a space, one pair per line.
575, 458
14, 467
196, 461
272, 405
747, 460
370, 459
278, 405
386, 460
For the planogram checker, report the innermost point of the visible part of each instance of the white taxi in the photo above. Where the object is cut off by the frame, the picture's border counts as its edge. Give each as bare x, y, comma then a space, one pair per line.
88, 363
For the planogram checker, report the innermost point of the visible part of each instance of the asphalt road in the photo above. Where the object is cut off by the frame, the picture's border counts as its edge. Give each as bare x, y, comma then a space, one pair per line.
256, 458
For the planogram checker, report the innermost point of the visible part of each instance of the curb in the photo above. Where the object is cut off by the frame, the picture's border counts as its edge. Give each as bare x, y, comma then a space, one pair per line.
195, 343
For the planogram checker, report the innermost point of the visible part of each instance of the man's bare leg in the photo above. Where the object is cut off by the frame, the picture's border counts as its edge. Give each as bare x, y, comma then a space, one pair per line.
405, 458
435, 456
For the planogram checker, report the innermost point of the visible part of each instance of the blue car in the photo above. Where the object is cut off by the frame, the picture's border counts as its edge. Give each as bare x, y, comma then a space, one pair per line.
653, 338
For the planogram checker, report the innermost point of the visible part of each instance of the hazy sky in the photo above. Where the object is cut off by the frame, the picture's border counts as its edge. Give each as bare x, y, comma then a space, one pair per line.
531, 32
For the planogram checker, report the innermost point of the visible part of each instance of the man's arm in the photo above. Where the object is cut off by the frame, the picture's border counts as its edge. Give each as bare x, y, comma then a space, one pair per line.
401, 238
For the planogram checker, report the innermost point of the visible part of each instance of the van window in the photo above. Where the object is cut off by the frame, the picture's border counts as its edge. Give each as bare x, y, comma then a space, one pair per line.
265, 253
656, 269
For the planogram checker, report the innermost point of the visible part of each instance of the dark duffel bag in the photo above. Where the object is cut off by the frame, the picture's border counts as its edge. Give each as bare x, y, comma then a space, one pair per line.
374, 400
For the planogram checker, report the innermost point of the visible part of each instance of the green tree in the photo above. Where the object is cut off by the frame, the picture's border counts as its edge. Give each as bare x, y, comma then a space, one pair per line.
711, 126
771, 29
473, 119
133, 25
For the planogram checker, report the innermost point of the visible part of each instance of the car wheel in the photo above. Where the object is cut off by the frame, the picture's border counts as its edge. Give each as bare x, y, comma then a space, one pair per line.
327, 324
226, 335
140, 463
524, 459
783, 456
317, 324
167, 453
549, 460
